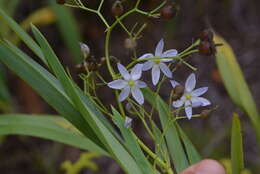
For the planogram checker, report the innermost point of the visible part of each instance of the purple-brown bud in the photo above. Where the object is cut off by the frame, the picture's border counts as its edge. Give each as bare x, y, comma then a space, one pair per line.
117, 8
60, 1
168, 12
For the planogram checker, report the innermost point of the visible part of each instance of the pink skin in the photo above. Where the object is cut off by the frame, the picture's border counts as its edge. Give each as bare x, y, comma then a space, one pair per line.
206, 166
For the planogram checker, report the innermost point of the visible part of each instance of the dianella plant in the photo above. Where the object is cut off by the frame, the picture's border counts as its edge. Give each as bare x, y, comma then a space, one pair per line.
89, 123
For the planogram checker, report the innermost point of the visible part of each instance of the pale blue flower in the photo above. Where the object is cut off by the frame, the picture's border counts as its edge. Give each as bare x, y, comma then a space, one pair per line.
191, 97
130, 83
159, 65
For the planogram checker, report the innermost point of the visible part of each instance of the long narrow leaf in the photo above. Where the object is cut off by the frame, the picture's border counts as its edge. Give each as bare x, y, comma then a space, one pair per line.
110, 141
237, 157
235, 83
46, 85
22, 34
172, 138
68, 27
132, 144
45, 127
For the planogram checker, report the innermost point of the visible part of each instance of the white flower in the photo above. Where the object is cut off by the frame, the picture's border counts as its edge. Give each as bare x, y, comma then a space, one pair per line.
158, 65
130, 83
191, 98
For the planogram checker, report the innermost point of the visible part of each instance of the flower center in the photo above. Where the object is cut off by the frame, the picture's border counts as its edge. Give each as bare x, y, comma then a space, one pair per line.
157, 61
188, 96
131, 83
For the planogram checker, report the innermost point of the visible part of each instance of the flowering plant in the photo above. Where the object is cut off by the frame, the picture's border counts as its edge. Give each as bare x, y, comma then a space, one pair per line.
90, 119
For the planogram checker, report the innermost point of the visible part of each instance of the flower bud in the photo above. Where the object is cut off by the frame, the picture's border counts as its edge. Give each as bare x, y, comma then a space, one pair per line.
117, 8
130, 43
206, 35
168, 12
84, 49
60, 1
207, 48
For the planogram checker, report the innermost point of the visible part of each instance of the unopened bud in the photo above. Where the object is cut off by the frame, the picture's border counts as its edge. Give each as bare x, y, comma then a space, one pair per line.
84, 49
168, 12
207, 48
60, 1
117, 8
130, 43
206, 35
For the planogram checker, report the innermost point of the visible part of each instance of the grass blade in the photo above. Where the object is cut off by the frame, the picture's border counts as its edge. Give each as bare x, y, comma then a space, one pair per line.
235, 83
45, 127
22, 34
172, 138
110, 141
131, 143
237, 157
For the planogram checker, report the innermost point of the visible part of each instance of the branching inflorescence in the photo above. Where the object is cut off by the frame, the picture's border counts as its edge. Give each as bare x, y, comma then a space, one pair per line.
128, 78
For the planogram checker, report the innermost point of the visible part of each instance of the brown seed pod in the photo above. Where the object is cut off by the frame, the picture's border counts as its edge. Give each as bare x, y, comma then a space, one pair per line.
177, 92
207, 48
168, 12
60, 1
117, 8
206, 35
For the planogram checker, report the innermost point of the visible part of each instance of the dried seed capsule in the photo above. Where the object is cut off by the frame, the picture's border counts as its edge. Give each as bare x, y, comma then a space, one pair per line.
117, 8
60, 1
206, 48
206, 35
177, 92
168, 12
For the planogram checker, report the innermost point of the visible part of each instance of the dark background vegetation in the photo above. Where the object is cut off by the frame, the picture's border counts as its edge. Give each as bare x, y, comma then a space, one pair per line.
236, 20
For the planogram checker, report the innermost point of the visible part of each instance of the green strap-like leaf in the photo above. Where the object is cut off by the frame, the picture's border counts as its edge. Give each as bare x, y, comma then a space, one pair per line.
237, 157
45, 127
172, 138
68, 28
191, 151
110, 141
46, 85
22, 34
131, 143
235, 83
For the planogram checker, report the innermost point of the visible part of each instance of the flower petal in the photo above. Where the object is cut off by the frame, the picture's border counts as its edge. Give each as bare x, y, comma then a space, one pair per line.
137, 94
117, 84
195, 102
174, 83
136, 72
169, 53
199, 91
147, 55
148, 65
203, 101
159, 48
178, 103
155, 74
166, 70
123, 71
190, 82
141, 84
124, 93
188, 109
